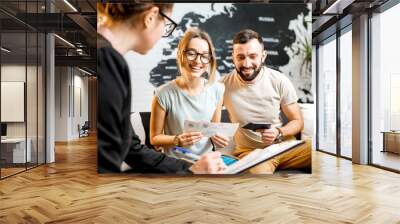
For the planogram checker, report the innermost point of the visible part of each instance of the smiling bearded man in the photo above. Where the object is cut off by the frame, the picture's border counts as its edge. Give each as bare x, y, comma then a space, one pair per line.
257, 94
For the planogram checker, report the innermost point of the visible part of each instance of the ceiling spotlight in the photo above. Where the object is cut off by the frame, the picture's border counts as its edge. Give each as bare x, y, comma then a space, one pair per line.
65, 41
70, 5
337, 7
5, 50
84, 71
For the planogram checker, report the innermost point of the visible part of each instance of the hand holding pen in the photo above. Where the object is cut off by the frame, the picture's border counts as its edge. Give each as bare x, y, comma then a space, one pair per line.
210, 163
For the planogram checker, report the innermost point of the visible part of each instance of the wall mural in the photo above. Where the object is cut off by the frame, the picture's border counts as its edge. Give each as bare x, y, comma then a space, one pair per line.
286, 31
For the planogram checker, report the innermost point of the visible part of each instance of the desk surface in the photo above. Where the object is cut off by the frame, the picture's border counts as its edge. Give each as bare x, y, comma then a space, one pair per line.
13, 140
391, 132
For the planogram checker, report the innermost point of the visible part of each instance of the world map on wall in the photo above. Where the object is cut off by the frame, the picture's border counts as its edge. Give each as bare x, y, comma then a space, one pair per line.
285, 30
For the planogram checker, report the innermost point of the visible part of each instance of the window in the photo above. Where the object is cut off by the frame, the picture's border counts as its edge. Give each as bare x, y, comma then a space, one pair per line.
385, 89
22, 63
327, 96
346, 92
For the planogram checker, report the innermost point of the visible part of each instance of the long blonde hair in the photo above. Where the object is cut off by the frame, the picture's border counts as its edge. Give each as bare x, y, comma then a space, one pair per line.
190, 34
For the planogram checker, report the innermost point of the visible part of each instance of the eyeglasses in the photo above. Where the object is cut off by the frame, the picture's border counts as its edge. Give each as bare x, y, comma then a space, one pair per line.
169, 27
192, 55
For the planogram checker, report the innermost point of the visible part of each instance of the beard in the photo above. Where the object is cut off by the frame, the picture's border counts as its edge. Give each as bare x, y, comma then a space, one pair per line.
250, 77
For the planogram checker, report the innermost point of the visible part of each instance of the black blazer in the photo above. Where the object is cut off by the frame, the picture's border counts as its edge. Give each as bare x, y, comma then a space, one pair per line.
116, 139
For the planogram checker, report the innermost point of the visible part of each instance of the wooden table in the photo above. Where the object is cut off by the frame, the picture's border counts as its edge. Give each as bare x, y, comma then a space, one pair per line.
391, 141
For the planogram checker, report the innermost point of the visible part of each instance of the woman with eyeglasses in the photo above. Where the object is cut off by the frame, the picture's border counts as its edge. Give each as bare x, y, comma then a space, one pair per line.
124, 27
189, 97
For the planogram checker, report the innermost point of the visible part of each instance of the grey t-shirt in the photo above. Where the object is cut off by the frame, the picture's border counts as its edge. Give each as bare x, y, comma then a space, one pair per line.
180, 106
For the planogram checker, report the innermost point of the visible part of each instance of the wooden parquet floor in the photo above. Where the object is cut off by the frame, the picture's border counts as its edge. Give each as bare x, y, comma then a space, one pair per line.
71, 191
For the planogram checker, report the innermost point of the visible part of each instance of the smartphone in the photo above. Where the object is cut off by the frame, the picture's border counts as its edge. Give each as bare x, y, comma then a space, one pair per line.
255, 127
228, 160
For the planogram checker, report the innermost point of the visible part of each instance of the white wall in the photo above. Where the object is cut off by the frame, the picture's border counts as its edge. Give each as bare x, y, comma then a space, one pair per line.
80, 103
61, 103
71, 94
142, 89
17, 73
14, 73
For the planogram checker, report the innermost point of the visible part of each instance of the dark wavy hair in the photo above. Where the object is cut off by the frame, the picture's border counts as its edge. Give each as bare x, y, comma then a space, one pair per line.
246, 35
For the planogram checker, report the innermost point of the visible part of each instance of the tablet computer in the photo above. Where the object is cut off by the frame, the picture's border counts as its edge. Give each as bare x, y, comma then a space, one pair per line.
229, 160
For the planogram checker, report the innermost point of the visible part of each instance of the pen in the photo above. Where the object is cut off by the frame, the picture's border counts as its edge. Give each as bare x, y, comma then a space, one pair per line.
186, 153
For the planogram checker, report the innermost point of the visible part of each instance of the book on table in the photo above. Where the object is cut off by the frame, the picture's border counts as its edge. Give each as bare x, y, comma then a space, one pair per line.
258, 156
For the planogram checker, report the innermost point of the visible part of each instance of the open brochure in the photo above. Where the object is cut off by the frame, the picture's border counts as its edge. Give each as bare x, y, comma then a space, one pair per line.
258, 156
209, 129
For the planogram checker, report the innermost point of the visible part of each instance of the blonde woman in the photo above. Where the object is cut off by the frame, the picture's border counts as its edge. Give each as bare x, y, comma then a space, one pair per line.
189, 97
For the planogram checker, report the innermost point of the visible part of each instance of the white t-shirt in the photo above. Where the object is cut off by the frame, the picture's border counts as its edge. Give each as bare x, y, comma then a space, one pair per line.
180, 106
259, 102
